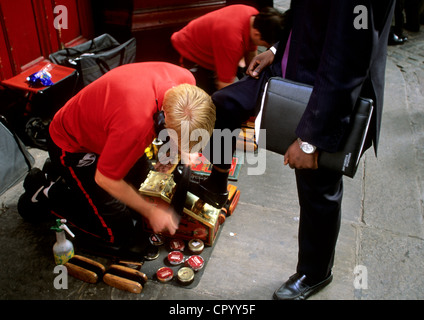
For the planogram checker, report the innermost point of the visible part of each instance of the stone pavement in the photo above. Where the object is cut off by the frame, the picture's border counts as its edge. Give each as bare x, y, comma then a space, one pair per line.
381, 237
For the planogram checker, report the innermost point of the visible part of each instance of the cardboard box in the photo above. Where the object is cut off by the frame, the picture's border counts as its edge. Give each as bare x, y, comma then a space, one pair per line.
199, 220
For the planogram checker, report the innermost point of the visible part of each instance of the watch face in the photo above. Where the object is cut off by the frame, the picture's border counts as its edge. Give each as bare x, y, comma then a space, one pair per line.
308, 148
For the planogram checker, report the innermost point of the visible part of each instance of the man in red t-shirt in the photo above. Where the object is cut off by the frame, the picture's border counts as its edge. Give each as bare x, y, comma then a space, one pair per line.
101, 134
219, 40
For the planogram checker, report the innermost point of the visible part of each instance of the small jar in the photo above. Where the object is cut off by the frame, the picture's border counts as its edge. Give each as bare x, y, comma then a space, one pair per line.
185, 276
164, 274
196, 246
156, 240
195, 262
175, 258
177, 244
151, 253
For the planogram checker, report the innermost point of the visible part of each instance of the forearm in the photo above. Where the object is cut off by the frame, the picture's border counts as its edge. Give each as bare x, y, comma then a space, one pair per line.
160, 219
249, 57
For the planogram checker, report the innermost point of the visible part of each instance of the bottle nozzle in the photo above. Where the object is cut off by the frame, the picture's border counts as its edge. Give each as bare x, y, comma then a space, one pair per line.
60, 226
65, 227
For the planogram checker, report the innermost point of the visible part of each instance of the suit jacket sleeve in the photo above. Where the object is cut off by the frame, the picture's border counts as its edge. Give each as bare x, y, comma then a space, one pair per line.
336, 59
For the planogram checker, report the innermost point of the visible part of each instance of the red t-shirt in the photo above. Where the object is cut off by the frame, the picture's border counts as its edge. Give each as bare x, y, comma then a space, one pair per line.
218, 40
113, 116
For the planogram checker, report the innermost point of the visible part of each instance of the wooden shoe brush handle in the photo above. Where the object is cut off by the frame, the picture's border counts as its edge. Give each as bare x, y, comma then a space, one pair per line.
122, 283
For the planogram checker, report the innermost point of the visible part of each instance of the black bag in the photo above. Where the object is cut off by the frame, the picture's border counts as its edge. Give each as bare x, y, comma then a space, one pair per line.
283, 105
94, 58
15, 160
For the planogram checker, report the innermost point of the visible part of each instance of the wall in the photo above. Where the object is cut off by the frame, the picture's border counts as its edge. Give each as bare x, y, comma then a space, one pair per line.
28, 35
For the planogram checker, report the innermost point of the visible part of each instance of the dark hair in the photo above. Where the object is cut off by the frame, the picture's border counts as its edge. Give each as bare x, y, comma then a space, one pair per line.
272, 24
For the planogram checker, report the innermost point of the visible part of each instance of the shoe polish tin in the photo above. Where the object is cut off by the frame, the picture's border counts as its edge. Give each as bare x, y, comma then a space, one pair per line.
156, 240
185, 276
195, 262
151, 253
196, 246
164, 274
176, 244
175, 257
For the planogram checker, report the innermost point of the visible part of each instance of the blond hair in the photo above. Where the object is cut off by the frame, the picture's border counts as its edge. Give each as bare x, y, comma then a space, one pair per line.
190, 105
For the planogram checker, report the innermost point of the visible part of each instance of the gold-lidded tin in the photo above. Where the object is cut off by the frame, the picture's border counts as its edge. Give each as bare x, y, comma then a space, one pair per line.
196, 246
164, 274
185, 276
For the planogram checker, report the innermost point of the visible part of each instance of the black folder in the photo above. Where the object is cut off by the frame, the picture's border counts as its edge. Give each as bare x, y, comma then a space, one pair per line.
283, 104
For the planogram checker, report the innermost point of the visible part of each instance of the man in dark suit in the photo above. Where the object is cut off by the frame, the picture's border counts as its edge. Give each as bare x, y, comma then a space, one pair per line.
339, 47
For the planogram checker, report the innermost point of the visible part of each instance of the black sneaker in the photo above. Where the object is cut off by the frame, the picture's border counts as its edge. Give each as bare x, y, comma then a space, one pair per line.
33, 203
51, 173
34, 181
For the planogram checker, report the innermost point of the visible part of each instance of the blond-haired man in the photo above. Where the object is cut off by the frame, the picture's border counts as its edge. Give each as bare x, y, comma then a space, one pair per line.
101, 134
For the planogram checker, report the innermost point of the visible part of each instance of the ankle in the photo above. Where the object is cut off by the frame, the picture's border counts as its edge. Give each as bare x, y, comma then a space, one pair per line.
220, 170
218, 180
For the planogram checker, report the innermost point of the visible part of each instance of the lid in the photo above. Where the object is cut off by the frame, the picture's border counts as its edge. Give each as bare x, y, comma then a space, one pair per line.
156, 240
164, 274
175, 257
185, 275
196, 245
195, 262
177, 244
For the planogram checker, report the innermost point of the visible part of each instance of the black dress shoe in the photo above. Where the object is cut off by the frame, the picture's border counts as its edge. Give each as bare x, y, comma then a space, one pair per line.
199, 187
296, 288
215, 199
396, 39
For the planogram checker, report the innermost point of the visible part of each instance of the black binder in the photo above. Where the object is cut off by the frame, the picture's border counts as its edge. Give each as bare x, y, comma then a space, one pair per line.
283, 104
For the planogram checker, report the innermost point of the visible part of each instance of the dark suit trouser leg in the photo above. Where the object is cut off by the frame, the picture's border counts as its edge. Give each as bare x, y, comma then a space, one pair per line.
320, 198
234, 105
320, 192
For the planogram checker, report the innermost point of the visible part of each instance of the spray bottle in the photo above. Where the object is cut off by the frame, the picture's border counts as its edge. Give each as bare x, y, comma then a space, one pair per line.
63, 249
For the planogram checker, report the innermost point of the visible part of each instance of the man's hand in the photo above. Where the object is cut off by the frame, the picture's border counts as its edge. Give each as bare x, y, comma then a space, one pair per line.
297, 159
260, 62
162, 220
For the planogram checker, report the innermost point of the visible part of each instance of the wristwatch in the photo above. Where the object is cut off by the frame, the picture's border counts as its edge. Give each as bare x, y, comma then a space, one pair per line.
306, 147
